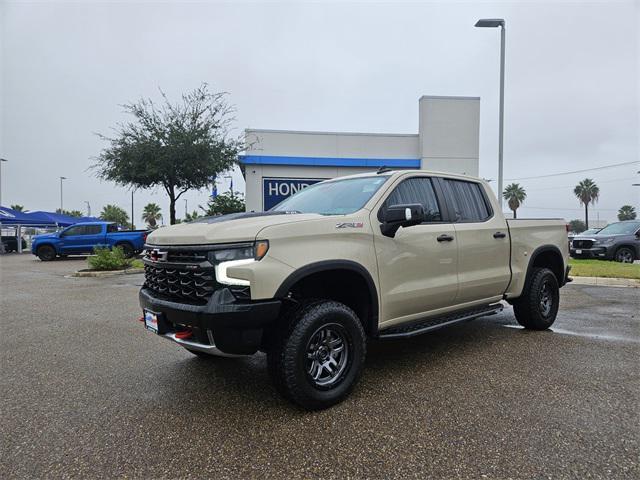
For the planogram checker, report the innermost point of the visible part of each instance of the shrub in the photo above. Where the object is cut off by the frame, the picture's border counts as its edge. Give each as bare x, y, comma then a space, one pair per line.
106, 259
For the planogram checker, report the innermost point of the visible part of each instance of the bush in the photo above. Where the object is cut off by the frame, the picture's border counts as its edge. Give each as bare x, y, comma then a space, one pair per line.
106, 259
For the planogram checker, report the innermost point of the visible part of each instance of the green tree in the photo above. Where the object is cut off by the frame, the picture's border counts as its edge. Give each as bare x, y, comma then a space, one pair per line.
514, 194
17, 208
190, 217
224, 203
113, 213
587, 192
151, 214
71, 213
178, 146
626, 212
577, 226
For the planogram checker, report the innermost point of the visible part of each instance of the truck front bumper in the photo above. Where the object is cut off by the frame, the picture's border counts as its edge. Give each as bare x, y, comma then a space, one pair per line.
224, 325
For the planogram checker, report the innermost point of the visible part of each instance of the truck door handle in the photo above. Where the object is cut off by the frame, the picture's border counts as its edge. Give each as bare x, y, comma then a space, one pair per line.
499, 235
444, 238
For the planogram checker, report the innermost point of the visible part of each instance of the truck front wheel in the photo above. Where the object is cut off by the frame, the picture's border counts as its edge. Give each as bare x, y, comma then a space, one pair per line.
316, 356
46, 253
538, 306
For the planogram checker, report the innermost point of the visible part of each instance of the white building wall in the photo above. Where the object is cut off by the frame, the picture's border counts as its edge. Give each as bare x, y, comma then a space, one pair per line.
449, 131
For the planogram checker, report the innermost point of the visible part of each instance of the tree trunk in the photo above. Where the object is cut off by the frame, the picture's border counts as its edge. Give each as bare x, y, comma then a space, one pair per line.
586, 215
514, 213
172, 208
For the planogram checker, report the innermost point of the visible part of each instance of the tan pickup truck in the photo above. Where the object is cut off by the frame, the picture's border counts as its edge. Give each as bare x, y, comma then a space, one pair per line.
378, 255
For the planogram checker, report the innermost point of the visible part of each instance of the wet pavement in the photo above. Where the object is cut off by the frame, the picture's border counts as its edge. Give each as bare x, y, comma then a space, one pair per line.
85, 391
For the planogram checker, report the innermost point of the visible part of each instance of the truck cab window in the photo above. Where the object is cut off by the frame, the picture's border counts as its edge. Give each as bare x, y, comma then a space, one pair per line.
416, 190
467, 200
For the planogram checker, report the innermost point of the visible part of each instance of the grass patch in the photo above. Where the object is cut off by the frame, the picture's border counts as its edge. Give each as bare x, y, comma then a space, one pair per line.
137, 263
603, 268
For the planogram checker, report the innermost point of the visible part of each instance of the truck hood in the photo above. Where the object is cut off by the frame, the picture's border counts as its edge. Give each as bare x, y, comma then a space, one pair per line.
235, 227
45, 235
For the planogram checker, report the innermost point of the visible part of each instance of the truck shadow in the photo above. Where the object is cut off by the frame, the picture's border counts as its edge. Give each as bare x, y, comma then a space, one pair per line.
240, 384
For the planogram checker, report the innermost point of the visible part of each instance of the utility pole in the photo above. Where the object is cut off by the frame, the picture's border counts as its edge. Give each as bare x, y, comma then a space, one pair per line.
494, 23
1, 161
88, 208
132, 209
61, 206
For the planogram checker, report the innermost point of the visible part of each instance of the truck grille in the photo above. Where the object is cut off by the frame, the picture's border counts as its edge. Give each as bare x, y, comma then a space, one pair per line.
194, 285
582, 243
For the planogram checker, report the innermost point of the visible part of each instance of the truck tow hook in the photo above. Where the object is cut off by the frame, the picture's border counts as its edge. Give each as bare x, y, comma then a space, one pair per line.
184, 334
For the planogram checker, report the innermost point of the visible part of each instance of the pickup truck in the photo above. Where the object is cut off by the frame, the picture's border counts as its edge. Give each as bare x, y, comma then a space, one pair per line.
372, 256
82, 238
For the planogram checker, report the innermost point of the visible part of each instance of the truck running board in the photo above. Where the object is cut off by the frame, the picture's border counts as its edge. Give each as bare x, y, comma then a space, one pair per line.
434, 323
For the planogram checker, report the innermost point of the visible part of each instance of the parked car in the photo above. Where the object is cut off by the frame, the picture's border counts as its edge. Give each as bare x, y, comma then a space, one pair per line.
591, 231
11, 243
82, 238
387, 255
617, 241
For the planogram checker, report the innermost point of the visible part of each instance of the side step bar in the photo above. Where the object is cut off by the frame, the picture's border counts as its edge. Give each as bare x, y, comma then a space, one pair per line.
430, 324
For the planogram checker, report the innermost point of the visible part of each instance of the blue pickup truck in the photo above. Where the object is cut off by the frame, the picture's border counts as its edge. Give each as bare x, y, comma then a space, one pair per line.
82, 238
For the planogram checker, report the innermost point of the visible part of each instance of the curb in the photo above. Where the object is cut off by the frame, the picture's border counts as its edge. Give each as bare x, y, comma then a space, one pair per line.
606, 282
107, 273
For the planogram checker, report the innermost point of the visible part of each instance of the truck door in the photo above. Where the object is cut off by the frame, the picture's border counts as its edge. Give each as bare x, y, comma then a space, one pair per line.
71, 239
483, 242
418, 267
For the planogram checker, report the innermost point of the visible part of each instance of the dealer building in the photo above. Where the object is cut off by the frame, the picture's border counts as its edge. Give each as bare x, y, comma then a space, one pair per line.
281, 162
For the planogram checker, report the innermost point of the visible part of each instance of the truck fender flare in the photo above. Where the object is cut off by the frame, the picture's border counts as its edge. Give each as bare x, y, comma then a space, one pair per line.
48, 244
327, 265
544, 249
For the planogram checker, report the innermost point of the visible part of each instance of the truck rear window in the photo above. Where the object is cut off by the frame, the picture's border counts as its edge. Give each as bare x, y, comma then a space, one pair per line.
468, 201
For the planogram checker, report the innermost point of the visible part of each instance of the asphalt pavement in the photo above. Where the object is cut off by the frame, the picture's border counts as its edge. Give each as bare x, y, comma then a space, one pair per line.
86, 392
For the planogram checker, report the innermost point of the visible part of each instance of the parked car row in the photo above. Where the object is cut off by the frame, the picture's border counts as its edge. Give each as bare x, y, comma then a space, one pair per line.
618, 241
10, 243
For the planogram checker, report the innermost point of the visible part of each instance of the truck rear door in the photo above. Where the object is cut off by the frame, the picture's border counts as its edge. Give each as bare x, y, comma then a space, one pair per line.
483, 242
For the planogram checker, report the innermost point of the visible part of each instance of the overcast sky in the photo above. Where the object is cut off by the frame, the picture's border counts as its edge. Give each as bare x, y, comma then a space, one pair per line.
572, 84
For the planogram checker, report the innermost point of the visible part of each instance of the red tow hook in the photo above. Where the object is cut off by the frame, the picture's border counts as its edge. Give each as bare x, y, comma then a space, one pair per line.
184, 335
141, 319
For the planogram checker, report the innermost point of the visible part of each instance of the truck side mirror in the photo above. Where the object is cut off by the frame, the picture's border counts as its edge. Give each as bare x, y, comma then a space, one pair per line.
396, 216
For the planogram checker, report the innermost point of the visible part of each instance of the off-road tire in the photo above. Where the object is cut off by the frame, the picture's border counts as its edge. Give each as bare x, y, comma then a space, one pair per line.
531, 310
127, 249
624, 255
287, 358
46, 253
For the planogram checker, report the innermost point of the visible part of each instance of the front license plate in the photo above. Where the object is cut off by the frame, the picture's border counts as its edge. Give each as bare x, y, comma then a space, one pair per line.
151, 321
579, 252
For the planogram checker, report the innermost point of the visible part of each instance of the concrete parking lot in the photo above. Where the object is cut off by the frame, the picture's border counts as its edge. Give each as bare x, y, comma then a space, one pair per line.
85, 391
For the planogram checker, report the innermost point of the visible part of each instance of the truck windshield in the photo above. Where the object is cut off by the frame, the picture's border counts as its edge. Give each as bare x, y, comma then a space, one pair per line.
623, 228
339, 197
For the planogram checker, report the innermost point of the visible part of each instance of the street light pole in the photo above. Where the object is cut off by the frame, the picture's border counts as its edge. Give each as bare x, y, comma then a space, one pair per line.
494, 23
1, 160
61, 179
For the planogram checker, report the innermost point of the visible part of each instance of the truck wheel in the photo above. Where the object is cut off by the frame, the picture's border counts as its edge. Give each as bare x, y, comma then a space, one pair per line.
46, 253
624, 255
127, 249
317, 354
538, 306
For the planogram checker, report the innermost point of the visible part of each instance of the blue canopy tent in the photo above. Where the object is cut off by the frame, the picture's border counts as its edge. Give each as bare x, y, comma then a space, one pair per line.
17, 220
62, 220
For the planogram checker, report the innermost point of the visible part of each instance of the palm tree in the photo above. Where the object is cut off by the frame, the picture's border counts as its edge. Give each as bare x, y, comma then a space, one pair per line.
626, 212
587, 192
151, 214
17, 208
515, 195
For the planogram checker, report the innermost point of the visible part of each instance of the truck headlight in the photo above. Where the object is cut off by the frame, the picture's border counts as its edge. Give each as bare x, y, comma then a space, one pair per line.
235, 256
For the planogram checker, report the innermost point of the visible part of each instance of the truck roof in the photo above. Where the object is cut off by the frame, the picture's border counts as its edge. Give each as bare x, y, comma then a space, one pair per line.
396, 173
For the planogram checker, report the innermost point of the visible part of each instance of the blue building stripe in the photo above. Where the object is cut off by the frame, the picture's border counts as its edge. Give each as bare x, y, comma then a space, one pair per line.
330, 162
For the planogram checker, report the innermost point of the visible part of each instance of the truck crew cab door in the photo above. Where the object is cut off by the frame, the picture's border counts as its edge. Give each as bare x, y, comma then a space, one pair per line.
484, 268
418, 268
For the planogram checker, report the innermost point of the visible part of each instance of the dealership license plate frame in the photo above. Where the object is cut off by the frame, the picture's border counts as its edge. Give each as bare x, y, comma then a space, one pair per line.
151, 321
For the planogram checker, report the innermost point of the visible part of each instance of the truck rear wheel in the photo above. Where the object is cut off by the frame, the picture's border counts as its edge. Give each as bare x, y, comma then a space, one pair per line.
127, 249
46, 253
317, 354
538, 306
